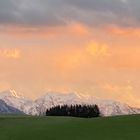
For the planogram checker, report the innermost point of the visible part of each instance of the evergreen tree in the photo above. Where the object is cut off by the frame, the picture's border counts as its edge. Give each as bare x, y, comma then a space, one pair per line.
86, 111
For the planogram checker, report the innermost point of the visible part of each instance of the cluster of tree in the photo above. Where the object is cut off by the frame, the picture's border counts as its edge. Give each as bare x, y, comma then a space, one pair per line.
86, 111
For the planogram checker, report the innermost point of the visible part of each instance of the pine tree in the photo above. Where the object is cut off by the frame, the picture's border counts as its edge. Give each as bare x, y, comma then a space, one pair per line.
86, 111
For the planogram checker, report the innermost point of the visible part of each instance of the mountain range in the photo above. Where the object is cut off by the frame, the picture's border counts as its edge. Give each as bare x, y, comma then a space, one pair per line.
4, 108
11, 102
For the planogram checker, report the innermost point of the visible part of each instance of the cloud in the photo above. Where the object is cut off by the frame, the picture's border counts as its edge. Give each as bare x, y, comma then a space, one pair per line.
124, 93
10, 53
97, 49
125, 32
117, 88
73, 29
62, 12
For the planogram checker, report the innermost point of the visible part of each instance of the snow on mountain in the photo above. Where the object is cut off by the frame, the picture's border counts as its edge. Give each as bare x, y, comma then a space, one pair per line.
107, 107
51, 99
4, 108
15, 100
113, 108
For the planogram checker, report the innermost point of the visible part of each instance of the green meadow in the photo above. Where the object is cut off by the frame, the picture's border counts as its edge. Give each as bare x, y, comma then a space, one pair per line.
65, 128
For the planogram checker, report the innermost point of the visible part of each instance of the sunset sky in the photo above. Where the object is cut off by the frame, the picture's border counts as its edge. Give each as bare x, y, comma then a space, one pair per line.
85, 46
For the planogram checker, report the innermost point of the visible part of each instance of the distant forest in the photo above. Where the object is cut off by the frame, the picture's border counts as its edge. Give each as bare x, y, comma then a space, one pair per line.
85, 111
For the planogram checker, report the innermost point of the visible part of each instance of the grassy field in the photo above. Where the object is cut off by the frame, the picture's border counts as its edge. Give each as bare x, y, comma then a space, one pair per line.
62, 128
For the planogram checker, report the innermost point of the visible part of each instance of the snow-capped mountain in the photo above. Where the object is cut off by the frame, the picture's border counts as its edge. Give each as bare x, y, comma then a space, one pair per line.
15, 100
113, 108
39, 106
107, 107
53, 99
4, 108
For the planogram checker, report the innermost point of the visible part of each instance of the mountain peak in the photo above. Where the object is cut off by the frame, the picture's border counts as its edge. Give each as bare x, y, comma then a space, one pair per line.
57, 94
14, 93
10, 93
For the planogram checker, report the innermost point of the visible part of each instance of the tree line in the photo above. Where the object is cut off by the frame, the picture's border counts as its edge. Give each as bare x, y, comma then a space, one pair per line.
85, 111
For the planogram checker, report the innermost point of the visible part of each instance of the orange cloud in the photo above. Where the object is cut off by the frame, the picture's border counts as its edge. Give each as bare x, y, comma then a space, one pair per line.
125, 32
97, 49
10, 53
125, 93
116, 88
78, 29
73, 29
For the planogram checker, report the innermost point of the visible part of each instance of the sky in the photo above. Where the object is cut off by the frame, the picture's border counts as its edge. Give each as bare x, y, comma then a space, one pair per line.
90, 47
